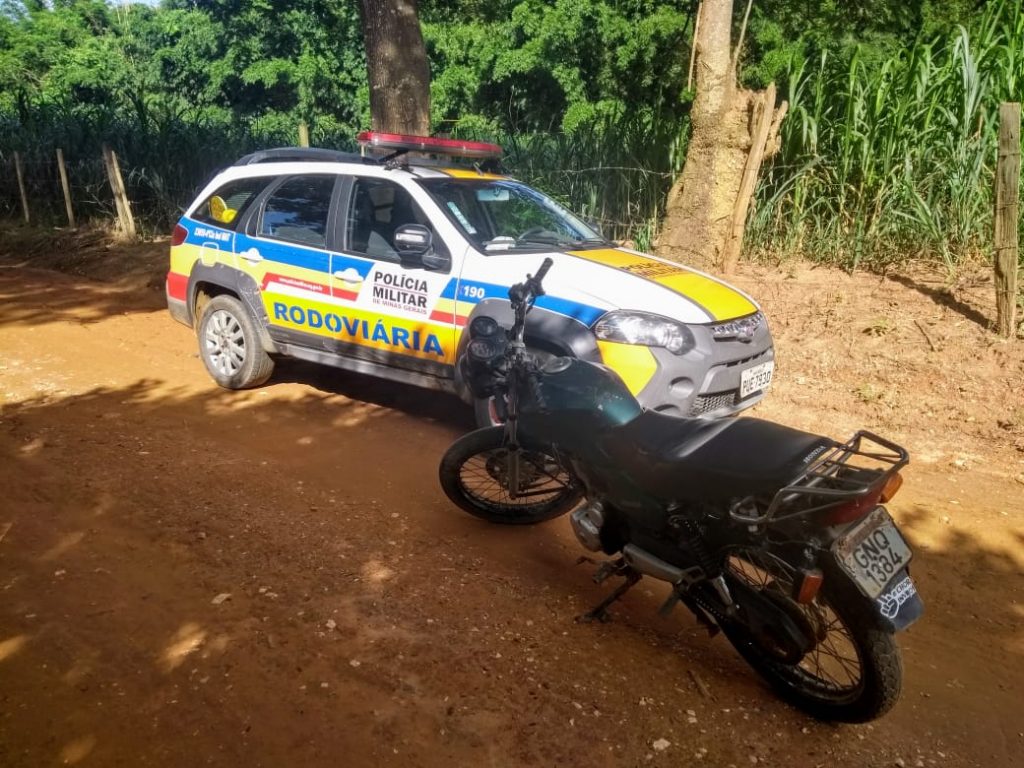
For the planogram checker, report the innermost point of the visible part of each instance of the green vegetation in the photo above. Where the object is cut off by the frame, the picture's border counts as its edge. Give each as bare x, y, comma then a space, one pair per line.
887, 152
894, 158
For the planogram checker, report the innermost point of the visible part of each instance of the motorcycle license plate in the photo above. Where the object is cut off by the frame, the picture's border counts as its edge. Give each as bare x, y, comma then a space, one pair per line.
872, 552
755, 378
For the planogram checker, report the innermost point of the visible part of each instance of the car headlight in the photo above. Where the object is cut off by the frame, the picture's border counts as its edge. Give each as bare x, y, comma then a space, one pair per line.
645, 329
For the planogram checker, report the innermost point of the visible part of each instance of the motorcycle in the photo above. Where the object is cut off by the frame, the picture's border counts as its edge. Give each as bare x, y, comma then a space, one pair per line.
775, 537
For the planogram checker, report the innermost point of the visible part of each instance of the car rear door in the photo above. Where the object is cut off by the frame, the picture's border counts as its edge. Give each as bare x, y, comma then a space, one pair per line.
285, 248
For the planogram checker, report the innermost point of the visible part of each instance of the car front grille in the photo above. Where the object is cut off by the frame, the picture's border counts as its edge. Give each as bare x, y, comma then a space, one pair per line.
707, 403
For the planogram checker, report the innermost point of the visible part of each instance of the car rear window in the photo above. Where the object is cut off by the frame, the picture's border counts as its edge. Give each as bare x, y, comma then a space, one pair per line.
224, 208
297, 211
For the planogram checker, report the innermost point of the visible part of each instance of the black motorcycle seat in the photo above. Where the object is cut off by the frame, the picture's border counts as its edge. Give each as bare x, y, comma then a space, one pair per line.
713, 459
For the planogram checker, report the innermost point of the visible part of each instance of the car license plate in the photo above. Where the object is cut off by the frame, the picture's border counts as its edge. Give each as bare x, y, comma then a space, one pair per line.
873, 552
755, 378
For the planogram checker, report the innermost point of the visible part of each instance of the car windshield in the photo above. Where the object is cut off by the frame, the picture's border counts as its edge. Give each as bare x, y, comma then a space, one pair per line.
504, 215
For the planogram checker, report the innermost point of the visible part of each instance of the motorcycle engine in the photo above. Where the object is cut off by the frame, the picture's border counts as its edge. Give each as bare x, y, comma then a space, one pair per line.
587, 522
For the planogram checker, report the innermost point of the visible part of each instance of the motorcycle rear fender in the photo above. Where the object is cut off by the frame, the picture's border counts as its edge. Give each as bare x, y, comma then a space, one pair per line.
899, 605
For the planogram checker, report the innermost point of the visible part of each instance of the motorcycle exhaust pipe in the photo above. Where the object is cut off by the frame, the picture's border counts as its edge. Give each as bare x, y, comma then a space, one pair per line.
643, 561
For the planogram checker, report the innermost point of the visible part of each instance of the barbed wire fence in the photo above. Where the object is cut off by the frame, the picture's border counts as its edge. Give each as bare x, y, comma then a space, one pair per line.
624, 201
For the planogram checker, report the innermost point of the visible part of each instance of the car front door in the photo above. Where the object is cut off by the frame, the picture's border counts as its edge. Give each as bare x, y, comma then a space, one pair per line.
393, 317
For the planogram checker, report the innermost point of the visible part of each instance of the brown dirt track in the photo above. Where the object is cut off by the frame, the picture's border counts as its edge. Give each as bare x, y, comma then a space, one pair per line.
370, 623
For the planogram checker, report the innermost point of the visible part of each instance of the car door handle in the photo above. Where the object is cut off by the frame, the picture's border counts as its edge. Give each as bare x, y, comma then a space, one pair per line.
251, 255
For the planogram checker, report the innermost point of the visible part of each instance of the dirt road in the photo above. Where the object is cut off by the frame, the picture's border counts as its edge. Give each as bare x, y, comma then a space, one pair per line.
273, 578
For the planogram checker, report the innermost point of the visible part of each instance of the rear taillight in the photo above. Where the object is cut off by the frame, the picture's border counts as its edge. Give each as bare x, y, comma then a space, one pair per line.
179, 235
852, 510
892, 485
856, 509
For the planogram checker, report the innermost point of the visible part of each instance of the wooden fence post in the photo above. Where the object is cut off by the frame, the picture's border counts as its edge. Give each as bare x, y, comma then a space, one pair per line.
1006, 216
19, 171
67, 187
303, 134
124, 209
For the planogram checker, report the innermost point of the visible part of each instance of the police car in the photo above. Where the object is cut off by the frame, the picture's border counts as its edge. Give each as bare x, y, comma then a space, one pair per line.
376, 262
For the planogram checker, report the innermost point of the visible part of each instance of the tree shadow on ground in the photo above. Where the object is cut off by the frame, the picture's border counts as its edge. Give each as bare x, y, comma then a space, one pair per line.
38, 297
944, 298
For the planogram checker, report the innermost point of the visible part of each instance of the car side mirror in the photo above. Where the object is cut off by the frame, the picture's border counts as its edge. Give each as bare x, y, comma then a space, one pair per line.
415, 246
592, 223
412, 240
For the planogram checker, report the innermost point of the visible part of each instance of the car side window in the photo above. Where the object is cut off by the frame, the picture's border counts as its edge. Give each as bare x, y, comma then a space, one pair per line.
298, 210
377, 208
224, 208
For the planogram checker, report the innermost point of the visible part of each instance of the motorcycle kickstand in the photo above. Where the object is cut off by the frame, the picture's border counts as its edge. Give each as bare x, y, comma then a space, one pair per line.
600, 611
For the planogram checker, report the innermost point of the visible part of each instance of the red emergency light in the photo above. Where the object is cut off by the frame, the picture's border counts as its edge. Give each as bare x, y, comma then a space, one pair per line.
398, 142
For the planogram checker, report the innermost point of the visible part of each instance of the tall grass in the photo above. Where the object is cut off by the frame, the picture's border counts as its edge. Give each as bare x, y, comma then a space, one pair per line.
895, 161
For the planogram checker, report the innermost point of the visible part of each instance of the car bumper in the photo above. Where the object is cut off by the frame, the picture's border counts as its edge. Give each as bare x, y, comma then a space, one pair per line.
704, 382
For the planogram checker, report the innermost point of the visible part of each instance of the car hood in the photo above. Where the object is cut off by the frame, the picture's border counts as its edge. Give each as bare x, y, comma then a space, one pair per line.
627, 279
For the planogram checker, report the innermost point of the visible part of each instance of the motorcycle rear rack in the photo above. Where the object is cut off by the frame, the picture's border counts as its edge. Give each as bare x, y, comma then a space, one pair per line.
847, 472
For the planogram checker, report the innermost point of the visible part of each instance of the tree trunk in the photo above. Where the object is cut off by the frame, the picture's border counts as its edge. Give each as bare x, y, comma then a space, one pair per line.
707, 206
396, 62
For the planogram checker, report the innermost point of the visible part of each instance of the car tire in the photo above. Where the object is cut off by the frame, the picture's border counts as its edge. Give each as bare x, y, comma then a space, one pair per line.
229, 345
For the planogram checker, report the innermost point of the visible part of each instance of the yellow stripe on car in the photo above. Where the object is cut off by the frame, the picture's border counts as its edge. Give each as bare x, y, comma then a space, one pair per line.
717, 299
635, 364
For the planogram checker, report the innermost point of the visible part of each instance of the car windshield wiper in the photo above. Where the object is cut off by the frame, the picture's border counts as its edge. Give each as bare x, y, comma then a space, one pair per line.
561, 242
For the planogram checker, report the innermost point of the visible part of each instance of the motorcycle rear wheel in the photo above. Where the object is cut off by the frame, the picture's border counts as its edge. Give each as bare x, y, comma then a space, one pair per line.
475, 474
854, 672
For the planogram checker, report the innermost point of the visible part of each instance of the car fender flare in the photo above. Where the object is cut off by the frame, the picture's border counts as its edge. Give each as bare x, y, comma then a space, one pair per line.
241, 285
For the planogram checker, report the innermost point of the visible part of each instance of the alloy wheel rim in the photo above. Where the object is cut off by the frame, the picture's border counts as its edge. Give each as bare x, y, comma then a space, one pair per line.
225, 343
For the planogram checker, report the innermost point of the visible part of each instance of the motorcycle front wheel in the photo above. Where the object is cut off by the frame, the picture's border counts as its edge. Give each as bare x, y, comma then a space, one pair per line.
852, 674
478, 470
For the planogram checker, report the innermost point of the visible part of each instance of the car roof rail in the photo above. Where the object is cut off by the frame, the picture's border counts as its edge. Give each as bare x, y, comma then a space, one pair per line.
302, 154
321, 155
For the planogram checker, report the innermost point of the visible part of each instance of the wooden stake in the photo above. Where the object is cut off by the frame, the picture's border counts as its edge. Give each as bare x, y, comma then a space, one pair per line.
1006, 217
764, 111
21, 185
743, 34
124, 209
303, 134
693, 46
67, 187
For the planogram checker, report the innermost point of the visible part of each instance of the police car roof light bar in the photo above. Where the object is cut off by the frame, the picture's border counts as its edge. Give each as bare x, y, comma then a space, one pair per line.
400, 143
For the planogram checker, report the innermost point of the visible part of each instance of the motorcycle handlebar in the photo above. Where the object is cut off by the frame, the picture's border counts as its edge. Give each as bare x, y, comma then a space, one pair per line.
524, 294
543, 271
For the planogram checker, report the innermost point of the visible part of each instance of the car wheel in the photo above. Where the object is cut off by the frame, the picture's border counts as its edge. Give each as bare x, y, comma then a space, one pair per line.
229, 345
